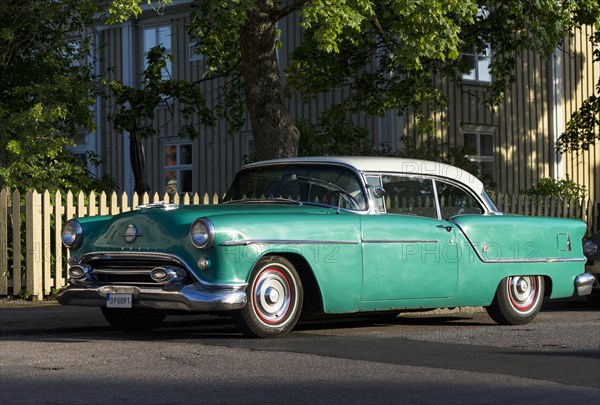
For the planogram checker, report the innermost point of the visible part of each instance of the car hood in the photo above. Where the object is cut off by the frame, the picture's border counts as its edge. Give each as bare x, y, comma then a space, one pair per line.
166, 228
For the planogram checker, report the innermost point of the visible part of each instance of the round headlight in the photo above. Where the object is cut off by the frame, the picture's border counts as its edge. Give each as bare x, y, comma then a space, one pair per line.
71, 234
202, 233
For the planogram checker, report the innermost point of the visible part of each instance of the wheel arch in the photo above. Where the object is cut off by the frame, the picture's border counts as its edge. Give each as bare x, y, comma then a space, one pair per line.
313, 300
547, 286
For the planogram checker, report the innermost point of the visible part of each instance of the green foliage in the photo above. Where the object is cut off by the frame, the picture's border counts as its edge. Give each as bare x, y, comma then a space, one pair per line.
565, 188
386, 54
121, 10
46, 92
334, 135
135, 108
24, 295
387, 61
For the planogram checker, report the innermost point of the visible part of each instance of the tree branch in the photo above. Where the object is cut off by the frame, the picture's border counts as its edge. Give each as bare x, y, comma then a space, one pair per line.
383, 35
294, 6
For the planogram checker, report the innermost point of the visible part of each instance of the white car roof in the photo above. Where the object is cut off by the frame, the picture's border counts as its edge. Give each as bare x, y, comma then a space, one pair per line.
374, 164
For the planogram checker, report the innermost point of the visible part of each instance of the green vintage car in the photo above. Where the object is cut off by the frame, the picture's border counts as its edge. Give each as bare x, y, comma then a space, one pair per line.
328, 235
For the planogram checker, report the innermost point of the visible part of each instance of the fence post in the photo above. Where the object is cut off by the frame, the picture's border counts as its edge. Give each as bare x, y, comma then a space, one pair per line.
16, 224
33, 222
46, 253
59, 280
4, 241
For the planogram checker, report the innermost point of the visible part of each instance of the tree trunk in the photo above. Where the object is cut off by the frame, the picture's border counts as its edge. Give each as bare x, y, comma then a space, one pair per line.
138, 164
275, 135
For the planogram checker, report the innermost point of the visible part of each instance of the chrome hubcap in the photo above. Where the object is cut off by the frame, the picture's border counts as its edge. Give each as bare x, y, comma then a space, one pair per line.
523, 292
272, 296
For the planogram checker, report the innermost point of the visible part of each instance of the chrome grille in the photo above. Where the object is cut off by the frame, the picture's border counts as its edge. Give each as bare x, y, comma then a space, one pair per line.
130, 269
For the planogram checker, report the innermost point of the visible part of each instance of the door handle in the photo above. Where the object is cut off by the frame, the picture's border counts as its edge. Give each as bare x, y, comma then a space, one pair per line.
446, 227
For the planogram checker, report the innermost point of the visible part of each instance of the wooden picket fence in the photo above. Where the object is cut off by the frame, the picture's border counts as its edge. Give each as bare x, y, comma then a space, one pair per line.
30, 225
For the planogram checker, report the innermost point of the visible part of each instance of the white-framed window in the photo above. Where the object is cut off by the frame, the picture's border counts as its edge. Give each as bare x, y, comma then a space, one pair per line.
178, 173
154, 36
479, 142
194, 56
479, 64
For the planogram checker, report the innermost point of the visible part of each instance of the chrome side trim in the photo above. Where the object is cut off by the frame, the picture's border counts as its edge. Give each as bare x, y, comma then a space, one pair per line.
246, 242
399, 241
524, 260
584, 284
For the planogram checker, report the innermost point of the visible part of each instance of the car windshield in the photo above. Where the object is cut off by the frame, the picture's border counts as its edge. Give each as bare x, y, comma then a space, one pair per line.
308, 184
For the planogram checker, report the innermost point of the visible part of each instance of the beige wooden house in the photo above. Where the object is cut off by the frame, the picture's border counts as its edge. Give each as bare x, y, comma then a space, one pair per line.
515, 141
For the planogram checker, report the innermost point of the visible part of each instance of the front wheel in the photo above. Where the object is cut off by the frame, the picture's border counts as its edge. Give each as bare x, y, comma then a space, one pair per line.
133, 319
518, 300
275, 298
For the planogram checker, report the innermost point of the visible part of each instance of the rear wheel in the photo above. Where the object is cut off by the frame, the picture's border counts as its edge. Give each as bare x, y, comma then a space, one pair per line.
518, 300
275, 298
133, 319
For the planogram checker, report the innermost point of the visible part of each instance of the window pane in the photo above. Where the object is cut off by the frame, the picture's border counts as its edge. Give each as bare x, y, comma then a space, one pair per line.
483, 70
483, 66
164, 37
186, 181
171, 182
185, 154
487, 145
375, 181
456, 201
149, 39
471, 143
409, 196
470, 61
171, 155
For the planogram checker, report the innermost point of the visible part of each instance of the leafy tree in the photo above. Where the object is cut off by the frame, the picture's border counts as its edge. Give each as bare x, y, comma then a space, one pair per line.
239, 39
135, 108
386, 53
45, 94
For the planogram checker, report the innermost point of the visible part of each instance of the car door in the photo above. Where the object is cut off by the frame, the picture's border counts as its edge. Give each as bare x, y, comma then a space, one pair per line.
408, 252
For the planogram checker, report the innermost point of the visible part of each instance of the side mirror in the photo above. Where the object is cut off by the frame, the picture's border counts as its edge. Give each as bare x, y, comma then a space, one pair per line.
378, 192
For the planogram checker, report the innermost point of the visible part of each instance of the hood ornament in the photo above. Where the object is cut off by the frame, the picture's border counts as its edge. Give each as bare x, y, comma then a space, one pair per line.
130, 233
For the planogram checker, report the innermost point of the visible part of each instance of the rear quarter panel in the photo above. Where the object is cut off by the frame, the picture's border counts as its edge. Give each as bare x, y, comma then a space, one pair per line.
494, 247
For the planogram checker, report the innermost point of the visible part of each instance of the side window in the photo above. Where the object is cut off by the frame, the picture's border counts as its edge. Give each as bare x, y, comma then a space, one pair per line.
456, 201
409, 196
375, 181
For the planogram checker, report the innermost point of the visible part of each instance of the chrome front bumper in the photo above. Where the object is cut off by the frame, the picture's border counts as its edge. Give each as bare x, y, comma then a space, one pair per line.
584, 283
190, 297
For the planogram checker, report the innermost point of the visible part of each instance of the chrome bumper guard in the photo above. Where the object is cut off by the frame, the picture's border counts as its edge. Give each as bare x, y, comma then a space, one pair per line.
584, 283
190, 297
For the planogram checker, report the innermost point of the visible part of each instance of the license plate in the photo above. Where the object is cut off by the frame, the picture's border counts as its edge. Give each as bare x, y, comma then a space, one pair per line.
119, 300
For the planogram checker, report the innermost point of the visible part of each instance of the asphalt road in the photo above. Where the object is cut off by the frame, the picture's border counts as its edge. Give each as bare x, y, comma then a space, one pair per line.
68, 355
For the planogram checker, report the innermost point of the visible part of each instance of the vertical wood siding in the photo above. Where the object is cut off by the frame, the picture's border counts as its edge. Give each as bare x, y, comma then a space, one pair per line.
580, 77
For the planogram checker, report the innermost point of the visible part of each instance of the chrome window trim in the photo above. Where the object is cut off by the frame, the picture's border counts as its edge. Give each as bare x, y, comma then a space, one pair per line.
482, 201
